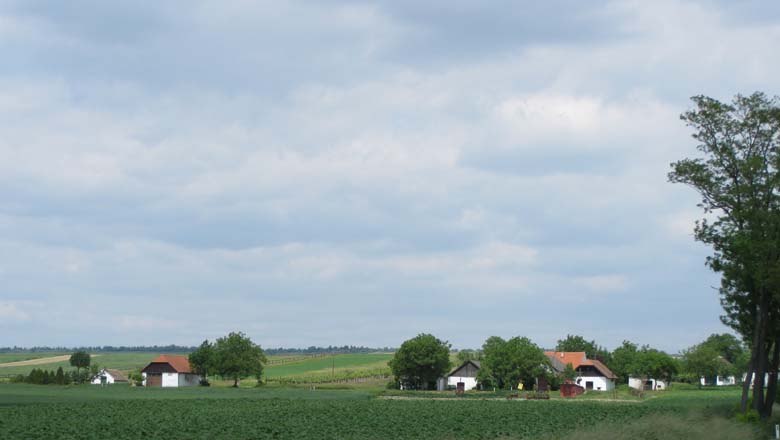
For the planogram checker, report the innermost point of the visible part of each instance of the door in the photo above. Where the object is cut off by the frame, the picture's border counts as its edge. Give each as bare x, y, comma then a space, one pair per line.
153, 379
588, 385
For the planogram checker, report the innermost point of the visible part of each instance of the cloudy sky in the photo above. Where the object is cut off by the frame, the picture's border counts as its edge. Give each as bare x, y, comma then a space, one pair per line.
326, 172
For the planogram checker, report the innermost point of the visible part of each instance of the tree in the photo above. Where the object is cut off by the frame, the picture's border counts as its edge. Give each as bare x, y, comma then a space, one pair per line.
651, 363
702, 361
507, 363
59, 377
569, 373
727, 346
739, 184
578, 343
623, 360
80, 359
203, 360
237, 357
420, 361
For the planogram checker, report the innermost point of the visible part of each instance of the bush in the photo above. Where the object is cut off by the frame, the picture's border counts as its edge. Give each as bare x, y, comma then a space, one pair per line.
393, 384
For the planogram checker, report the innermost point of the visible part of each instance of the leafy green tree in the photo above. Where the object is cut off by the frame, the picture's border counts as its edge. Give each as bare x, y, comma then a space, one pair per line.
237, 357
738, 180
623, 360
203, 360
507, 363
59, 377
651, 363
569, 373
420, 361
702, 361
80, 359
728, 346
578, 343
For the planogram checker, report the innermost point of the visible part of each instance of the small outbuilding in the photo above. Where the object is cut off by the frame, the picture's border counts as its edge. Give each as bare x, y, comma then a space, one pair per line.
649, 384
464, 377
108, 376
169, 371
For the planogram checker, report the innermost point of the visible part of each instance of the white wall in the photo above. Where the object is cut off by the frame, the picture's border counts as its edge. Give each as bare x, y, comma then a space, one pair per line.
109, 378
600, 383
638, 383
721, 381
170, 380
469, 382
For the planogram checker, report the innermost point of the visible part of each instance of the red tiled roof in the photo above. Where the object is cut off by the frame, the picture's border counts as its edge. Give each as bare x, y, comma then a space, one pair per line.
179, 363
575, 358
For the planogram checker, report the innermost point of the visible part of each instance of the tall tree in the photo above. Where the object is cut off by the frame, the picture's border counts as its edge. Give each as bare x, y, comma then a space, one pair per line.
739, 184
507, 363
623, 360
420, 361
80, 359
237, 357
203, 360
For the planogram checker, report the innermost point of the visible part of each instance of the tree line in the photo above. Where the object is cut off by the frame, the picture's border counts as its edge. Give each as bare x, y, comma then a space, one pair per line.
505, 363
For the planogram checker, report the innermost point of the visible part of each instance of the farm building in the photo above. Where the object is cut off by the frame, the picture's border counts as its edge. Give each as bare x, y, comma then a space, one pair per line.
107, 376
646, 384
591, 373
463, 377
718, 380
169, 371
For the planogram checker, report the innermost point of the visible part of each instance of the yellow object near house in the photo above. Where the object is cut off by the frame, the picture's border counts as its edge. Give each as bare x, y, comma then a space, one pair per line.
520, 386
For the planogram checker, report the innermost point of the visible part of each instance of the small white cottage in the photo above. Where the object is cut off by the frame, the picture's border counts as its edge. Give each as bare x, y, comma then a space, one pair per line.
465, 376
108, 376
650, 384
169, 371
591, 373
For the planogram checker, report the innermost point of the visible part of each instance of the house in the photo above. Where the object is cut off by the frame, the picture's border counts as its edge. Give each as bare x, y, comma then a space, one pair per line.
169, 371
718, 380
646, 384
108, 376
463, 377
591, 373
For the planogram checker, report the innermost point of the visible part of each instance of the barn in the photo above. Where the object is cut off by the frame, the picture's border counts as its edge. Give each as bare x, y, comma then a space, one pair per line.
465, 376
648, 384
107, 376
169, 371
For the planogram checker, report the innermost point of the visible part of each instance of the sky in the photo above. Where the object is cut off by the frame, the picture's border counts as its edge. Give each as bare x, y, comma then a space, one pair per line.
330, 172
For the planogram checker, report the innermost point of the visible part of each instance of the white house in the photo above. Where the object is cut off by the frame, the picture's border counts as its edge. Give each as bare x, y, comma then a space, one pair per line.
719, 380
591, 373
107, 376
465, 375
169, 371
646, 384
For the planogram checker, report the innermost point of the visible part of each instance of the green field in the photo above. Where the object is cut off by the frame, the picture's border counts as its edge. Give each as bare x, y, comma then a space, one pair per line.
123, 412
298, 368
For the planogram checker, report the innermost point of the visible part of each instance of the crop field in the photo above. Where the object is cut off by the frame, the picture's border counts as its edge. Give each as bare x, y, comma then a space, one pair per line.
124, 361
343, 365
29, 411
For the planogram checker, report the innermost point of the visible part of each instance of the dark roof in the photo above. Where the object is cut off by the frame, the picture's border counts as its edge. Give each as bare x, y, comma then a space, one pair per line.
179, 363
475, 363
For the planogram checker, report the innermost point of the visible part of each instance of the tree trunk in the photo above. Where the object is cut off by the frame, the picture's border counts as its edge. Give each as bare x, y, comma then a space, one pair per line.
235, 382
751, 370
761, 355
771, 389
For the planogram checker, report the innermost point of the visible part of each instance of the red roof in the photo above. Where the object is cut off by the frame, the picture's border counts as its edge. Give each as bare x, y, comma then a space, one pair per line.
577, 359
181, 364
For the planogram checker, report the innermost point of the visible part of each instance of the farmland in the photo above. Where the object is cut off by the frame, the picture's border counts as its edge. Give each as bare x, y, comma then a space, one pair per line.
301, 369
28, 411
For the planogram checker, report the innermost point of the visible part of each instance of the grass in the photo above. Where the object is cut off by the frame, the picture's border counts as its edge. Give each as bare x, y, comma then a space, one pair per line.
323, 365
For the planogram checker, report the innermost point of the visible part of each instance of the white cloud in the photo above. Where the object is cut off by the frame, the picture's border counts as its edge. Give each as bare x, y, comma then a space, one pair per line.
12, 312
